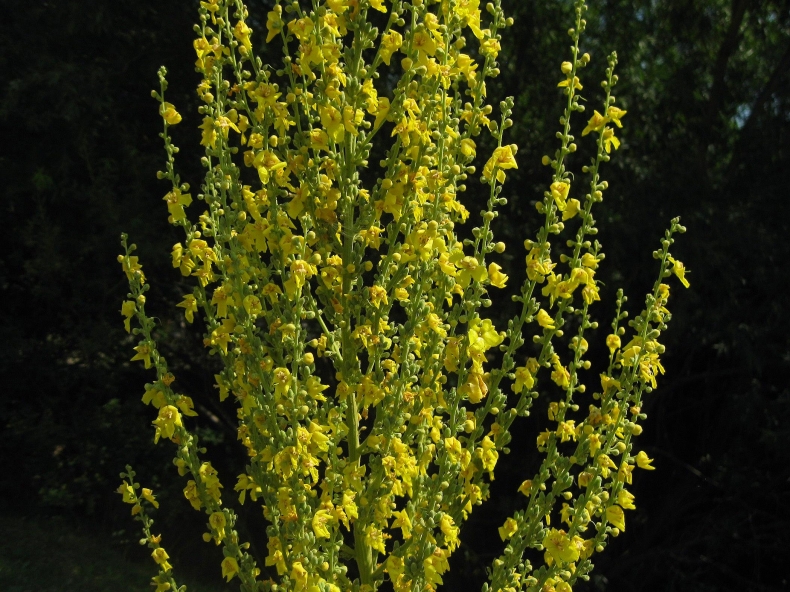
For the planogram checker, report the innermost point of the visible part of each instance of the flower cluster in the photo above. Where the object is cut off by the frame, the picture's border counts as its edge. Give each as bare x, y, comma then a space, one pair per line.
132, 494
374, 395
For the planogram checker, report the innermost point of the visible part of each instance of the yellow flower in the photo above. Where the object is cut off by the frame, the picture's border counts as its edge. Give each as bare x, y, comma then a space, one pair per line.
679, 270
349, 506
378, 5
338, 6
643, 461
212, 7
435, 565
319, 140
153, 396
630, 355
526, 487
242, 32
209, 134
382, 111
489, 455
161, 557
470, 269
301, 271
189, 304
626, 500
609, 383
566, 429
218, 522
202, 49
169, 114
545, 320
435, 323
376, 539
508, 529
567, 82
470, 11
192, 495
395, 567
450, 531
378, 295
148, 495
606, 463
589, 261
403, 522
315, 388
372, 101
166, 423
423, 43
561, 378
220, 298
301, 28
566, 514
282, 382
320, 520
614, 114
128, 308
351, 119
524, 378
252, 304
143, 353
483, 335
502, 159
454, 448
609, 140
228, 123
613, 343
230, 568
182, 260
208, 475
127, 492
498, 279
274, 23
176, 201
468, 67
333, 122
390, 43
559, 191
131, 267
616, 516
404, 128
275, 556
468, 147
572, 209
490, 47
267, 163
560, 547
596, 123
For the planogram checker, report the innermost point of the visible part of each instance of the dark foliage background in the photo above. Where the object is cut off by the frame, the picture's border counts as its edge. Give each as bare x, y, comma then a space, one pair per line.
707, 89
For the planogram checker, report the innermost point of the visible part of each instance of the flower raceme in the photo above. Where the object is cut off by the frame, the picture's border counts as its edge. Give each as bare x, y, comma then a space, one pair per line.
374, 399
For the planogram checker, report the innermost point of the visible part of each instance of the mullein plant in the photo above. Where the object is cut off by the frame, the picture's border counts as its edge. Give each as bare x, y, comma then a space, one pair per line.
349, 319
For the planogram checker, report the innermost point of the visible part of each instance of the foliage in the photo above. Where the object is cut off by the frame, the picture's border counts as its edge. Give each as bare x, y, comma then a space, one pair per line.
707, 89
307, 250
75, 107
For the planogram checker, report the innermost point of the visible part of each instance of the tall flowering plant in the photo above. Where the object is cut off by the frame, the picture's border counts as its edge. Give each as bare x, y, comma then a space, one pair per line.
374, 396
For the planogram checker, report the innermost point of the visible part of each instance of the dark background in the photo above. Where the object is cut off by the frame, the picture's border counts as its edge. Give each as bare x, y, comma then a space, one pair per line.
707, 137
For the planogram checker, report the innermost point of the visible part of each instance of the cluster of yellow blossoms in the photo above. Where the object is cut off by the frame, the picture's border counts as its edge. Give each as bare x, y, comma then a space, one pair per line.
347, 316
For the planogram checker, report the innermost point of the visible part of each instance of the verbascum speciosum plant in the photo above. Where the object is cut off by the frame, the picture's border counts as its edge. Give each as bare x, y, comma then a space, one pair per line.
374, 397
